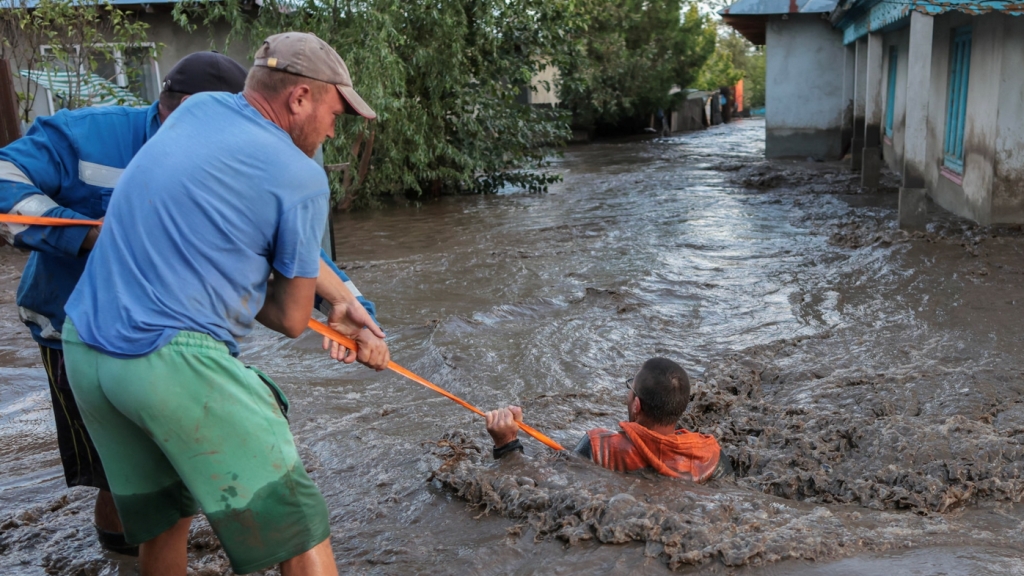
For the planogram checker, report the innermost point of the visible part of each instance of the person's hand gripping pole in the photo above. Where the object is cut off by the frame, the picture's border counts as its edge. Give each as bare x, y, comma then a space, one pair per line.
323, 330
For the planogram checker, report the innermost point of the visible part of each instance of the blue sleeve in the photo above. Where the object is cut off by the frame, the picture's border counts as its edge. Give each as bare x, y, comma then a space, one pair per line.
371, 308
36, 164
297, 241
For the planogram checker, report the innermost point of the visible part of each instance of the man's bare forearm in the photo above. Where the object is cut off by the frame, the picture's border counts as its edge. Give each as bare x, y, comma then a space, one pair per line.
331, 288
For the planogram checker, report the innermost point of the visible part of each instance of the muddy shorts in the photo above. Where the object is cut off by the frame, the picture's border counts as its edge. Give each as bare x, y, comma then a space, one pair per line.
188, 426
82, 466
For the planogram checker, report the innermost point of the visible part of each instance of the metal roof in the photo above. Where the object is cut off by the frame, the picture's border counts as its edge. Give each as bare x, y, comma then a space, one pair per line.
749, 17
767, 7
856, 18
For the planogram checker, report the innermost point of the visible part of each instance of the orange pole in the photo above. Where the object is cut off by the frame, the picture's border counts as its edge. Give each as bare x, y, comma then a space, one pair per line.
347, 342
46, 221
316, 326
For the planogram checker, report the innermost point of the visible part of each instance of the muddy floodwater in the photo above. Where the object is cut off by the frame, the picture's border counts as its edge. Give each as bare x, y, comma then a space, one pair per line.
866, 384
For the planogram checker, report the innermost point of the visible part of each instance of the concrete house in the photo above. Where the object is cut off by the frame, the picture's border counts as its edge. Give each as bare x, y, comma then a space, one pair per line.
804, 105
935, 90
942, 102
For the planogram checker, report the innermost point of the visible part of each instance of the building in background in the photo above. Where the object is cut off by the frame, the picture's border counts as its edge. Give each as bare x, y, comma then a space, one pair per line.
935, 90
111, 82
804, 74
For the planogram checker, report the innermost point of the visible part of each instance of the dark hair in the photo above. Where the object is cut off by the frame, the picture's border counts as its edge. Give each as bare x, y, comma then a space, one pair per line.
664, 390
169, 101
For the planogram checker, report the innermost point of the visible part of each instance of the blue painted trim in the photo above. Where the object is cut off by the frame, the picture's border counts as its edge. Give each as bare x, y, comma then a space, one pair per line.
863, 16
956, 102
890, 100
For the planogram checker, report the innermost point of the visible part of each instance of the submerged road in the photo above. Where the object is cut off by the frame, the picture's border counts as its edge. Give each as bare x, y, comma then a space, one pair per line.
866, 384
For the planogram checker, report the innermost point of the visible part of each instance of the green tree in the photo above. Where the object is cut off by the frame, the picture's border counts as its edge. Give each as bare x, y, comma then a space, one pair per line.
66, 40
444, 79
736, 58
631, 55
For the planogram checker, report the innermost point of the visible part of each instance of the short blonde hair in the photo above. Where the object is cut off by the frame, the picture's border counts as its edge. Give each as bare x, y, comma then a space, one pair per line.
270, 82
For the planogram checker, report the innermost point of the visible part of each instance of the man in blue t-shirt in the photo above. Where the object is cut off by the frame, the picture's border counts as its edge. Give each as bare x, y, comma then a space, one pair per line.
66, 166
221, 229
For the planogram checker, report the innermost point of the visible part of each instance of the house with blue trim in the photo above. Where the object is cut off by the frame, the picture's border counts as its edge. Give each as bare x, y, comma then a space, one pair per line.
935, 91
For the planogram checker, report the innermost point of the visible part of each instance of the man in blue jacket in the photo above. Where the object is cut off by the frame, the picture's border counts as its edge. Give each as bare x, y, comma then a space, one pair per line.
66, 166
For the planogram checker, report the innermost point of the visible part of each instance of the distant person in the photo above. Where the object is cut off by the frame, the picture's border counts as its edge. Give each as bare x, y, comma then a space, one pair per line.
663, 120
656, 397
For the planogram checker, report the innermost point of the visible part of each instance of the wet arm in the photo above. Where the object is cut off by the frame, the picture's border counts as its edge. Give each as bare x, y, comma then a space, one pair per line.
286, 308
583, 448
31, 171
324, 306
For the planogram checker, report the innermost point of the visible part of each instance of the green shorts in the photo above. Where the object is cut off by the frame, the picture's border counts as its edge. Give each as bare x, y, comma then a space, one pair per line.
190, 425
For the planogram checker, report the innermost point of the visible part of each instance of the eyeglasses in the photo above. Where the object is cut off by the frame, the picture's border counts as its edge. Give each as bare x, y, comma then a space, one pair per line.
629, 386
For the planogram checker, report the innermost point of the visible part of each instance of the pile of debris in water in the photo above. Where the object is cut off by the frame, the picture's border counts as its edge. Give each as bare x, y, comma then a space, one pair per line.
859, 441
833, 438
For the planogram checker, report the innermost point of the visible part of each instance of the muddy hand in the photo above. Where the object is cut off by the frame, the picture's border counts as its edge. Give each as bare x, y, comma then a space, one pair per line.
352, 320
502, 424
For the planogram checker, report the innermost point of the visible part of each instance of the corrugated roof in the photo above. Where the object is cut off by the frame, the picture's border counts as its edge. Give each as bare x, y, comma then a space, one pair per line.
768, 7
749, 17
859, 17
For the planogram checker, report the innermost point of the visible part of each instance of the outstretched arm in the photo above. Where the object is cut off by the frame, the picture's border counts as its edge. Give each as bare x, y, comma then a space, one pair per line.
31, 171
348, 316
503, 428
323, 306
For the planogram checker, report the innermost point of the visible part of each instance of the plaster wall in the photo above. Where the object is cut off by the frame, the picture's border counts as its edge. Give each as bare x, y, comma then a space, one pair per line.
892, 148
946, 192
1008, 181
804, 92
178, 42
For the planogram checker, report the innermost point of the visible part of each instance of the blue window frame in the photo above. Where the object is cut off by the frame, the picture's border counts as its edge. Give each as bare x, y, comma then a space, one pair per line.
890, 101
956, 105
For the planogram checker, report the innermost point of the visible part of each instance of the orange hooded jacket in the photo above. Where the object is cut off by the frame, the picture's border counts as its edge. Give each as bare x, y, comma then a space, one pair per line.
685, 454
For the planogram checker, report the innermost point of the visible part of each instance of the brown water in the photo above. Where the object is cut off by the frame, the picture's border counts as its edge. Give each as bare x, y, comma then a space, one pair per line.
866, 384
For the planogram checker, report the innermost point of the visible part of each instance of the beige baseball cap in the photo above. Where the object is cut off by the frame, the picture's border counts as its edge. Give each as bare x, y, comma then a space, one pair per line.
306, 55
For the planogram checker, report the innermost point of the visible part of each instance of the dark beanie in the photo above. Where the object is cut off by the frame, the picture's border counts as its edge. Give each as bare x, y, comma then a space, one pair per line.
205, 72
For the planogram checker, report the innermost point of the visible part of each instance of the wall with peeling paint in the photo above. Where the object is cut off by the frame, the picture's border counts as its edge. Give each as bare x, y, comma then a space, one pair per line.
945, 191
892, 151
1008, 185
991, 188
804, 91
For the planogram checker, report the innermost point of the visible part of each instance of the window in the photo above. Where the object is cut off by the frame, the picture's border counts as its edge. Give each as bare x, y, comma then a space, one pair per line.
890, 101
956, 105
128, 75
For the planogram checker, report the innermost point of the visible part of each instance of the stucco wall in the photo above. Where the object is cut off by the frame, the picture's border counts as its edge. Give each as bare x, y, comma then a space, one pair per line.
1008, 185
178, 43
804, 92
893, 152
944, 191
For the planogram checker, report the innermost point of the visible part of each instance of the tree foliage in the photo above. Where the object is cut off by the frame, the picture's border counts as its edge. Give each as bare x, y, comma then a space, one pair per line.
736, 58
443, 77
78, 35
631, 55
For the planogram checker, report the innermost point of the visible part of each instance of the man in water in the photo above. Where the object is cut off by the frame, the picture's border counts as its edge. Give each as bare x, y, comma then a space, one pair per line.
225, 195
656, 397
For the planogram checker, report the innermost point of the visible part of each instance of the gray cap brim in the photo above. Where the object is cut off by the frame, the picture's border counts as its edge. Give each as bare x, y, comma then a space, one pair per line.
356, 105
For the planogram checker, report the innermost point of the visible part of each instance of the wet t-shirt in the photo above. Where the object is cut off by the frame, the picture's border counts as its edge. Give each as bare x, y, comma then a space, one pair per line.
201, 214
